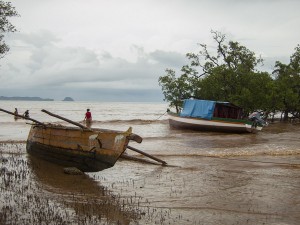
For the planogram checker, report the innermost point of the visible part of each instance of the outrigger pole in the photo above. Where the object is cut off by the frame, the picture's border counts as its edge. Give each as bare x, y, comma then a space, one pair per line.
146, 154
65, 119
23, 117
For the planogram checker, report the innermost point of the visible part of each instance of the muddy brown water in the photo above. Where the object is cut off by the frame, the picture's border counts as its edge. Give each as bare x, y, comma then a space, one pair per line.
211, 179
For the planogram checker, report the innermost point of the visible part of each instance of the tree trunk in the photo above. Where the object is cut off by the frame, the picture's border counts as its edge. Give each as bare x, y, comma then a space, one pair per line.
286, 115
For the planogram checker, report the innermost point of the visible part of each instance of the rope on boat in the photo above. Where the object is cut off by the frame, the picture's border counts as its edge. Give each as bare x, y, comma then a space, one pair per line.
162, 115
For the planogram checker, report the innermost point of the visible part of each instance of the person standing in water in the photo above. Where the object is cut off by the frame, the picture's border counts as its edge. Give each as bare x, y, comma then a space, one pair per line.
16, 114
26, 113
88, 118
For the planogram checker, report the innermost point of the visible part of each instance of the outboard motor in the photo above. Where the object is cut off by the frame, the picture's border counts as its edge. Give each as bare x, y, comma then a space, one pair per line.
255, 117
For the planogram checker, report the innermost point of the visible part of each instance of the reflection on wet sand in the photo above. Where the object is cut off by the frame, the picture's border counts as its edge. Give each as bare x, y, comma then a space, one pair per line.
91, 202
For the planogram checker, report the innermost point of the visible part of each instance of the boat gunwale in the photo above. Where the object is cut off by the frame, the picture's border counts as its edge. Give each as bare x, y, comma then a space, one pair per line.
63, 127
132, 136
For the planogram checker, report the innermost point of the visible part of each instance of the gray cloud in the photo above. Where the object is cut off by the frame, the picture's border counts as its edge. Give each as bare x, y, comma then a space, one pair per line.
118, 49
51, 69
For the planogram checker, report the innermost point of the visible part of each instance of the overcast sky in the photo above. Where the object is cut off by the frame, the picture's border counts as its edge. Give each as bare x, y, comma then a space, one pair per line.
115, 50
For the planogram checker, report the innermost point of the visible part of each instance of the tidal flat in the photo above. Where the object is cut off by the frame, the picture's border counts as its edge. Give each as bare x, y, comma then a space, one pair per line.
193, 189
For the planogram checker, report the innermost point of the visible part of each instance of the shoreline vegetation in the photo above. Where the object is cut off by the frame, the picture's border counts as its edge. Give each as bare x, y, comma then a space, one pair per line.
230, 72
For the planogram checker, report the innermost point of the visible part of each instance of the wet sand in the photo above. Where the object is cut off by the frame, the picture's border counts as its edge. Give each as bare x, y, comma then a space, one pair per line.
194, 189
204, 190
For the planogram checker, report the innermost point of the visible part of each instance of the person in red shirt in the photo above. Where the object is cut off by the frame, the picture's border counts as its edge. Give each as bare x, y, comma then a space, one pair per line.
88, 117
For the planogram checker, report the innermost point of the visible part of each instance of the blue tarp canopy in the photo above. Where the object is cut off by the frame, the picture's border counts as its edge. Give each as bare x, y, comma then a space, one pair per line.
198, 108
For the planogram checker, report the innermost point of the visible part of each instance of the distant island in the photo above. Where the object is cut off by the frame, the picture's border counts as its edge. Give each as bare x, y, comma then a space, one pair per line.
68, 99
25, 99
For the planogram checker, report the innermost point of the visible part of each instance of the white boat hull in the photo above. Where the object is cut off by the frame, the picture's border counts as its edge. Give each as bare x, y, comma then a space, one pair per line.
237, 126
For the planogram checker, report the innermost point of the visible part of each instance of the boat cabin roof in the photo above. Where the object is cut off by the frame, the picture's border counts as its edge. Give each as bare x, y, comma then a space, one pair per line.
207, 109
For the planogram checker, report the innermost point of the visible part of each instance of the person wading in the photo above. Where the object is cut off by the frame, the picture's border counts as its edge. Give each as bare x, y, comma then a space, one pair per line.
26, 114
88, 118
16, 114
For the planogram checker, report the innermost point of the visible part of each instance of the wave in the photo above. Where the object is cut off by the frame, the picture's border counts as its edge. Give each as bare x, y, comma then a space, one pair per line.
132, 121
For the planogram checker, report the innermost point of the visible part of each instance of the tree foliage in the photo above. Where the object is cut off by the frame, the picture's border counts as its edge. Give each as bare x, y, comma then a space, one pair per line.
6, 11
287, 81
229, 74
175, 89
231, 56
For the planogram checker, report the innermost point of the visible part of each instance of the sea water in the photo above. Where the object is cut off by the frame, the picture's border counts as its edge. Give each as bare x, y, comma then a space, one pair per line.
116, 115
149, 120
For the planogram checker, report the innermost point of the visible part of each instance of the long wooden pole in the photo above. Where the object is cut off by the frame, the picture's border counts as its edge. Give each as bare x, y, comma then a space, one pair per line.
65, 119
23, 117
146, 154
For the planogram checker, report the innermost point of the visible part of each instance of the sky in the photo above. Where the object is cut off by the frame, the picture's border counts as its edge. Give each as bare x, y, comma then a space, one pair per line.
100, 50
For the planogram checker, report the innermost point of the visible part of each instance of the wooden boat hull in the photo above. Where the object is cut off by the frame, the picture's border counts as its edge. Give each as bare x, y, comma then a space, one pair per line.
218, 125
88, 150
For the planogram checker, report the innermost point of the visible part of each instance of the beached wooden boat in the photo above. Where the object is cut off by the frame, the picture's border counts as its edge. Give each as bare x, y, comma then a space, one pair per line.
89, 150
214, 116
